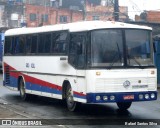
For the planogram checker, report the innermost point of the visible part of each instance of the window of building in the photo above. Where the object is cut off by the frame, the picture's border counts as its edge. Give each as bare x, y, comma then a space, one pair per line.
63, 19
33, 17
95, 17
44, 18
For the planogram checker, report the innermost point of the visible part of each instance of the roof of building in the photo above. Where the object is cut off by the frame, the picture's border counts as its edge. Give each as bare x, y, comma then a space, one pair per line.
75, 27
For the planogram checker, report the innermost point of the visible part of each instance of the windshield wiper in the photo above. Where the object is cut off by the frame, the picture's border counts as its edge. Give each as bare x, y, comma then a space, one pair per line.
135, 60
115, 56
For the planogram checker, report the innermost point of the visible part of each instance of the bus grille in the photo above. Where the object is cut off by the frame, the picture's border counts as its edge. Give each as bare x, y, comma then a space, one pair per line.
110, 85
7, 75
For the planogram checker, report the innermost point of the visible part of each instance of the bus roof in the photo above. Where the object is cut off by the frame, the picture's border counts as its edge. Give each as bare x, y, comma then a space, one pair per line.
74, 27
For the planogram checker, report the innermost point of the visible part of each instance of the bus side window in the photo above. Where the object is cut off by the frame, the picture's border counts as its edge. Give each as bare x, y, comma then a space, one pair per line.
13, 45
72, 50
19, 45
81, 51
28, 44
53, 42
41, 39
34, 44
47, 43
77, 50
16, 48
59, 42
8, 46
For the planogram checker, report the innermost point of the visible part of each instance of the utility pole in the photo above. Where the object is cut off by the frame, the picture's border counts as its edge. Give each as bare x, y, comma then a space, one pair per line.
83, 2
116, 10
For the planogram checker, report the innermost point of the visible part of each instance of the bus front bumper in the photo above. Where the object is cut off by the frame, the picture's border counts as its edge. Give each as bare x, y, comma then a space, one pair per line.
121, 97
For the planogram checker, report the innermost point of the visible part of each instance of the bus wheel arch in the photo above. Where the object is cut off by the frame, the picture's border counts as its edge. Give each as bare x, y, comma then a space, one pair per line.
64, 87
22, 88
19, 79
67, 95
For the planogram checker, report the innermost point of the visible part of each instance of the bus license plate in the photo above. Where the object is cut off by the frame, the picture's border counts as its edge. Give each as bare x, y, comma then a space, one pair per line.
128, 97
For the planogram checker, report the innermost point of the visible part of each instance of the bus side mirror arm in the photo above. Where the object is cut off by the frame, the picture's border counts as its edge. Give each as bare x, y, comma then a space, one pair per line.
63, 58
154, 47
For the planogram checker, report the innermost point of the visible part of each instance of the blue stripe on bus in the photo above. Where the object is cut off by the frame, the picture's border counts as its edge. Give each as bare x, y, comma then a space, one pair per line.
78, 96
40, 88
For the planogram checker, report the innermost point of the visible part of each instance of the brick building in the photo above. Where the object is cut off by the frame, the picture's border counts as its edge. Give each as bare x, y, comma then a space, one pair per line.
37, 15
153, 16
18, 13
149, 16
40, 15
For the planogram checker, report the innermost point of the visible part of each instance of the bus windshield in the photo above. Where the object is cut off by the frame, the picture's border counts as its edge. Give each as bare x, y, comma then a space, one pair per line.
138, 48
119, 47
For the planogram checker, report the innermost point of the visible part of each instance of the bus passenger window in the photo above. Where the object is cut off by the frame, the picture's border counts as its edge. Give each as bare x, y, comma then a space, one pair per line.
47, 43
28, 44
8, 45
41, 39
59, 43
34, 44
13, 45
21, 44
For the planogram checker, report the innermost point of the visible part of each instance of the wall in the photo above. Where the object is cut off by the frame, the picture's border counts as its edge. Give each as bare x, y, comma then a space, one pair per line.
55, 15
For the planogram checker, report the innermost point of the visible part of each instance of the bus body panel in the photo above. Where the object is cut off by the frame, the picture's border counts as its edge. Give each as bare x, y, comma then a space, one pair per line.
119, 83
45, 80
113, 80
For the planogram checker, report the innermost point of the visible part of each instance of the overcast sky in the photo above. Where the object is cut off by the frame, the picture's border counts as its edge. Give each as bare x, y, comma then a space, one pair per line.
137, 6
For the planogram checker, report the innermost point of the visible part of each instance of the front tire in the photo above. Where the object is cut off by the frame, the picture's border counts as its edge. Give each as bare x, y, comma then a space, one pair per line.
22, 90
124, 105
71, 104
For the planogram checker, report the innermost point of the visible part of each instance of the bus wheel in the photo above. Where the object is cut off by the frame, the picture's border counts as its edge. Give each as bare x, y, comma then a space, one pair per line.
71, 104
124, 105
22, 90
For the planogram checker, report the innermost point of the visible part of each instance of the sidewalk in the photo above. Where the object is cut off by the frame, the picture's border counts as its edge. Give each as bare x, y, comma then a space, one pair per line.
6, 112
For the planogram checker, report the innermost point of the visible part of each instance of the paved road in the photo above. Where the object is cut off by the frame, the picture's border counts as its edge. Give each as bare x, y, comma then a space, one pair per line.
46, 108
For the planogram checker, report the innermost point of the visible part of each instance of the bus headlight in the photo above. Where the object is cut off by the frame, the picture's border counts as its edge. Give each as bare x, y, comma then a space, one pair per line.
105, 97
140, 96
152, 95
112, 97
147, 96
98, 98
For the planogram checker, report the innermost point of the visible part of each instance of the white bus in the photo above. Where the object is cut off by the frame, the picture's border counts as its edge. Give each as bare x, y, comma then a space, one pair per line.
82, 62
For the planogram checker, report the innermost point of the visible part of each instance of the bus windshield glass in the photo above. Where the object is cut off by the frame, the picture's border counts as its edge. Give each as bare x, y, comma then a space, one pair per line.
138, 47
110, 48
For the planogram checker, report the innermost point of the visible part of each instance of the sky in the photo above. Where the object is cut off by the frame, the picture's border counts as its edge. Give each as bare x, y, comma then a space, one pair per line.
137, 6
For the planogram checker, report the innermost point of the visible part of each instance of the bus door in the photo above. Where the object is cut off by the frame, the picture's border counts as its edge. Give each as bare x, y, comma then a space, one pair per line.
77, 58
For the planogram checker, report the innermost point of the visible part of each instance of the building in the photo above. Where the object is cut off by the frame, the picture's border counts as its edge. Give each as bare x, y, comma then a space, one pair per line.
149, 16
37, 15
33, 13
11, 13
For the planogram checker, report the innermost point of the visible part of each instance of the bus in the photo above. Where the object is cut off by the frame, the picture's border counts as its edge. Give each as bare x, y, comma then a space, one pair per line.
88, 62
